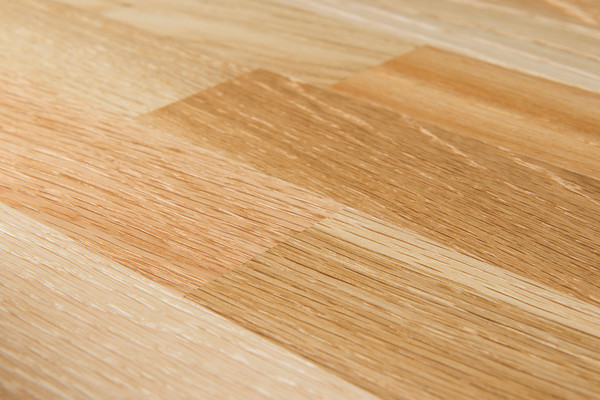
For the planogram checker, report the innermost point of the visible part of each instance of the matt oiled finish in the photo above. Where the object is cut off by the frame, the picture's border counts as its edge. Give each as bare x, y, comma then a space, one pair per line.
532, 219
184, 216
404, 317
490, 103
74, 325
156, 203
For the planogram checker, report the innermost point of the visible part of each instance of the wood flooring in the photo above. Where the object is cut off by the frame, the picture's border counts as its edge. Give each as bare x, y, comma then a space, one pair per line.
300, 199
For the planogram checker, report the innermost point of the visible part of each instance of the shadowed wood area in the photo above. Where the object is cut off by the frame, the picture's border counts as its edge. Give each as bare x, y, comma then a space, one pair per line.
299, 199
493, 104
456, 190
326, 291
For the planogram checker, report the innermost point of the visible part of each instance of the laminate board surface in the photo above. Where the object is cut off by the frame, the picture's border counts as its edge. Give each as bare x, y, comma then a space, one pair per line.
156, 203
75, 325
516, 213
404, 317
261, 33
102, 62
490, 103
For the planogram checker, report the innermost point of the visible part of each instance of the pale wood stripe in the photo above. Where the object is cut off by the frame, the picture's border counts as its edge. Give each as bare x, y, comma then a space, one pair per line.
580, 12
74, 325
554, 123
530, 218
260, 33
515, 51
100, 61
405, 317
156, 203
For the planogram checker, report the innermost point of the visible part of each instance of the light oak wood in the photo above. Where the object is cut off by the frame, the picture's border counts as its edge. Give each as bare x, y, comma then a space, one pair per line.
74, 325
449, 187
493, 104
168, 209
394, 312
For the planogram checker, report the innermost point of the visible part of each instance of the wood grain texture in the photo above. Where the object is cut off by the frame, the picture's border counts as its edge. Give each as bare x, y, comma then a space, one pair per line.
404, 317
547, 49
503, 20
586, 12
102, 62
260, 33
74, 325
156, 203
490, 103
530, 218
173, 225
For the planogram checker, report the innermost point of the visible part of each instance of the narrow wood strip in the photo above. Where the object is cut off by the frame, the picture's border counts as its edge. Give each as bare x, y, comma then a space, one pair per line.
103, 62
506, 21
535, 117
533, 219
404, 317
586, 12
171, 210
513, 51
75, 325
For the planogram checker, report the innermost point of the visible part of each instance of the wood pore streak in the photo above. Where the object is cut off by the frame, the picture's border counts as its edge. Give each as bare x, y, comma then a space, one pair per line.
74, 325
171, 210
404, 317
541, 119
532, 219
100, 61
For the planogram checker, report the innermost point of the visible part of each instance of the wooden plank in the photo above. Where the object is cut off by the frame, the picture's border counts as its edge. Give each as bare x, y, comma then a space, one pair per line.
405, 317
516, 213
75, 325
569, 56
260, 33
171, 210
102, 62
538, 118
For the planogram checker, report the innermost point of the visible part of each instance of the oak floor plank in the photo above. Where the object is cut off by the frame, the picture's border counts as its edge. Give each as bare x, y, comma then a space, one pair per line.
171, 210
546, 49
100, 61
74, 325
555, 123
260, 34
405, 317
525, 216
